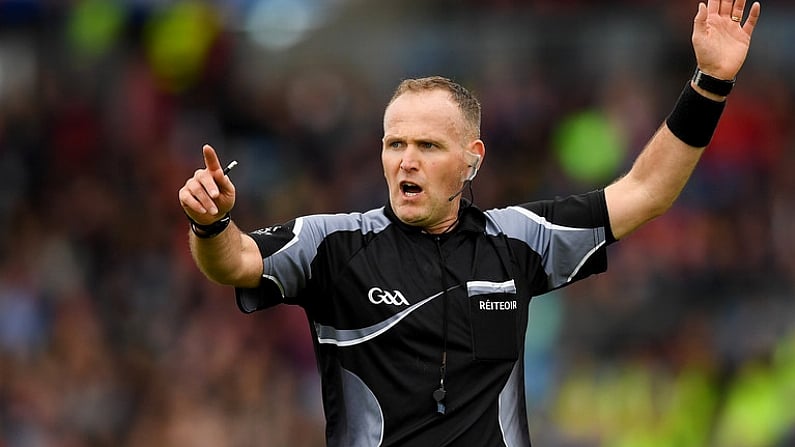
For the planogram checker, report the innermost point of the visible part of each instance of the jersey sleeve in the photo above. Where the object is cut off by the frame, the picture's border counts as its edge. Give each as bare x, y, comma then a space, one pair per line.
271, 291
567, 235
290, 252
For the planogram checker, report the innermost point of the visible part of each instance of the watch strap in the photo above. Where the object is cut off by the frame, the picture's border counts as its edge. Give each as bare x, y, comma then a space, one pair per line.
210, 230
720, 87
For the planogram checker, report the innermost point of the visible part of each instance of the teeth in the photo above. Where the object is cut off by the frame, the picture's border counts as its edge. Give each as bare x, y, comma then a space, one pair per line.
410, 189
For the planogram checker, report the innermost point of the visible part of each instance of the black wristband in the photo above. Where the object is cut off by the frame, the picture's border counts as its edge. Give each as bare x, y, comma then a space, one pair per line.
695, 117
210, 230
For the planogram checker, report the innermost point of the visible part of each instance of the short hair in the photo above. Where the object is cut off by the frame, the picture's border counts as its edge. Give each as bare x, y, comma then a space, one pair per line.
467, 103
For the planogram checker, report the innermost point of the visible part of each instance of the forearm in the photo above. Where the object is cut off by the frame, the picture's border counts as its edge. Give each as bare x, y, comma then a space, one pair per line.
652, 185
230, 258
667, 163
664, 166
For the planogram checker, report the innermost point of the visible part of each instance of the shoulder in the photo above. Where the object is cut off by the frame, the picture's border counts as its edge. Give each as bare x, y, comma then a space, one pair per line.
372, 221
579, 211
314, 228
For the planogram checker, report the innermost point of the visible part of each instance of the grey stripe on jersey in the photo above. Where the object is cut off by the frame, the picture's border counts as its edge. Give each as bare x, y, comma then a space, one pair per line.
289, 266
365, 418
350, 337
563, 249
511, 399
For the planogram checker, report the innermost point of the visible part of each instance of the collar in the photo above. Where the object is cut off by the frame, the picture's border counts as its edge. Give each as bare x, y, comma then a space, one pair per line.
470, 219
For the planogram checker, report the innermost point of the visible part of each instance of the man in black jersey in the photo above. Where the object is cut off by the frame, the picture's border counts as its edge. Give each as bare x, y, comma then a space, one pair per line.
418, 308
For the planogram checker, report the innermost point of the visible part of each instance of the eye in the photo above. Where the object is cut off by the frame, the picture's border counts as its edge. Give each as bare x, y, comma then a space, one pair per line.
427, 145
393, 144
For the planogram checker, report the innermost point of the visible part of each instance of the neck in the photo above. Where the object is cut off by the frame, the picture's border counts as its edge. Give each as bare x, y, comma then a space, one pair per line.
447, 224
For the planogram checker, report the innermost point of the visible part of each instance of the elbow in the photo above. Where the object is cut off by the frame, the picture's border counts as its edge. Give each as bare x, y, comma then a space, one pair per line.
219, 277
650, 207
657, 199
235, 277
248, 278
661, 207
664, 202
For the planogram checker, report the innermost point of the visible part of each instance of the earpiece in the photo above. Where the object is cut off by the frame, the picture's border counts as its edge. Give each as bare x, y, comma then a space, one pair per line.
474, 163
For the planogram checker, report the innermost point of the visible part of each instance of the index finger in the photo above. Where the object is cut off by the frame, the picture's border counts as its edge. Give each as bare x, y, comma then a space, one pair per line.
211, 158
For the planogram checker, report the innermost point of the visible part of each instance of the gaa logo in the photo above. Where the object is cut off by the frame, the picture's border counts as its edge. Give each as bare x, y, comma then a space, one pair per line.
379, 296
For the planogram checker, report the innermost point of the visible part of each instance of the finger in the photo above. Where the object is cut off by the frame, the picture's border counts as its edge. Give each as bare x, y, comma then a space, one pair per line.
738, 9
223, 182
190, 204
713, 6
753, 18
701, 15
190, 198
726, 7
211, 158
216, 171
208, 182
197, 187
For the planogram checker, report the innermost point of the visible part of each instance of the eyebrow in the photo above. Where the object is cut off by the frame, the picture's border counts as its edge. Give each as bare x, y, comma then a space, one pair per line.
418, 140
433, 141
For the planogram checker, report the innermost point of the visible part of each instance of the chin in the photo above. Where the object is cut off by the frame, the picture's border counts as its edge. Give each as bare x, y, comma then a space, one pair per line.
408, 216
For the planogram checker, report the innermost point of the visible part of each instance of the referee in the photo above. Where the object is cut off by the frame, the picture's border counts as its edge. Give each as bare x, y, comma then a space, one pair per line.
418, 309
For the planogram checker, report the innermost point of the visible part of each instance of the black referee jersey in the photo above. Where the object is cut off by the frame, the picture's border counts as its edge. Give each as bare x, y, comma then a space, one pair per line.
386, 303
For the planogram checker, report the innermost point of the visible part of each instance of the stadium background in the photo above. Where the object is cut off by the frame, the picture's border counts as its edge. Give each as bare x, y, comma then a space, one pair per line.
109, 336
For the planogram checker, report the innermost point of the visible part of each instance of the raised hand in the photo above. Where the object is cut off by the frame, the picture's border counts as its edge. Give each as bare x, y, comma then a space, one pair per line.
720, 38
209, 194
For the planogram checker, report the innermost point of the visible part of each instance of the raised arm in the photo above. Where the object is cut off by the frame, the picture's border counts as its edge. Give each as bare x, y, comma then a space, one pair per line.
221, 251
721, 42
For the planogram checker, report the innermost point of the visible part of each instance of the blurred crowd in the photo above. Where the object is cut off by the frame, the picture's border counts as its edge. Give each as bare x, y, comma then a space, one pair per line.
109, 335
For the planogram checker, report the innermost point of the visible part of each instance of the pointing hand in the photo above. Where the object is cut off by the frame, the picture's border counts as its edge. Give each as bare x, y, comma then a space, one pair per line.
209, 194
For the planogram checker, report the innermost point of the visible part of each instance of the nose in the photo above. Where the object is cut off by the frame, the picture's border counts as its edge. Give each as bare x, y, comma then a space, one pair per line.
407, 166
409, 160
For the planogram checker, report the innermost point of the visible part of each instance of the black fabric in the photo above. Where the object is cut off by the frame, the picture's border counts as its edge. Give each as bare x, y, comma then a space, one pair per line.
695, 117
365, 270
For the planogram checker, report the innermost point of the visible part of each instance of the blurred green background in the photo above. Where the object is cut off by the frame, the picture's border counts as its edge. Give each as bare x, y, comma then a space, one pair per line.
109, 335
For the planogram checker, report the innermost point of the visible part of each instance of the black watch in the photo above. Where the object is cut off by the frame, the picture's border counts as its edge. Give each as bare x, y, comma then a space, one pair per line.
210, 230
720, 87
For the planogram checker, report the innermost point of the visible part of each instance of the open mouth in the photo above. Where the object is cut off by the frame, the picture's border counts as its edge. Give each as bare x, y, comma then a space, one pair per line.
410, 189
